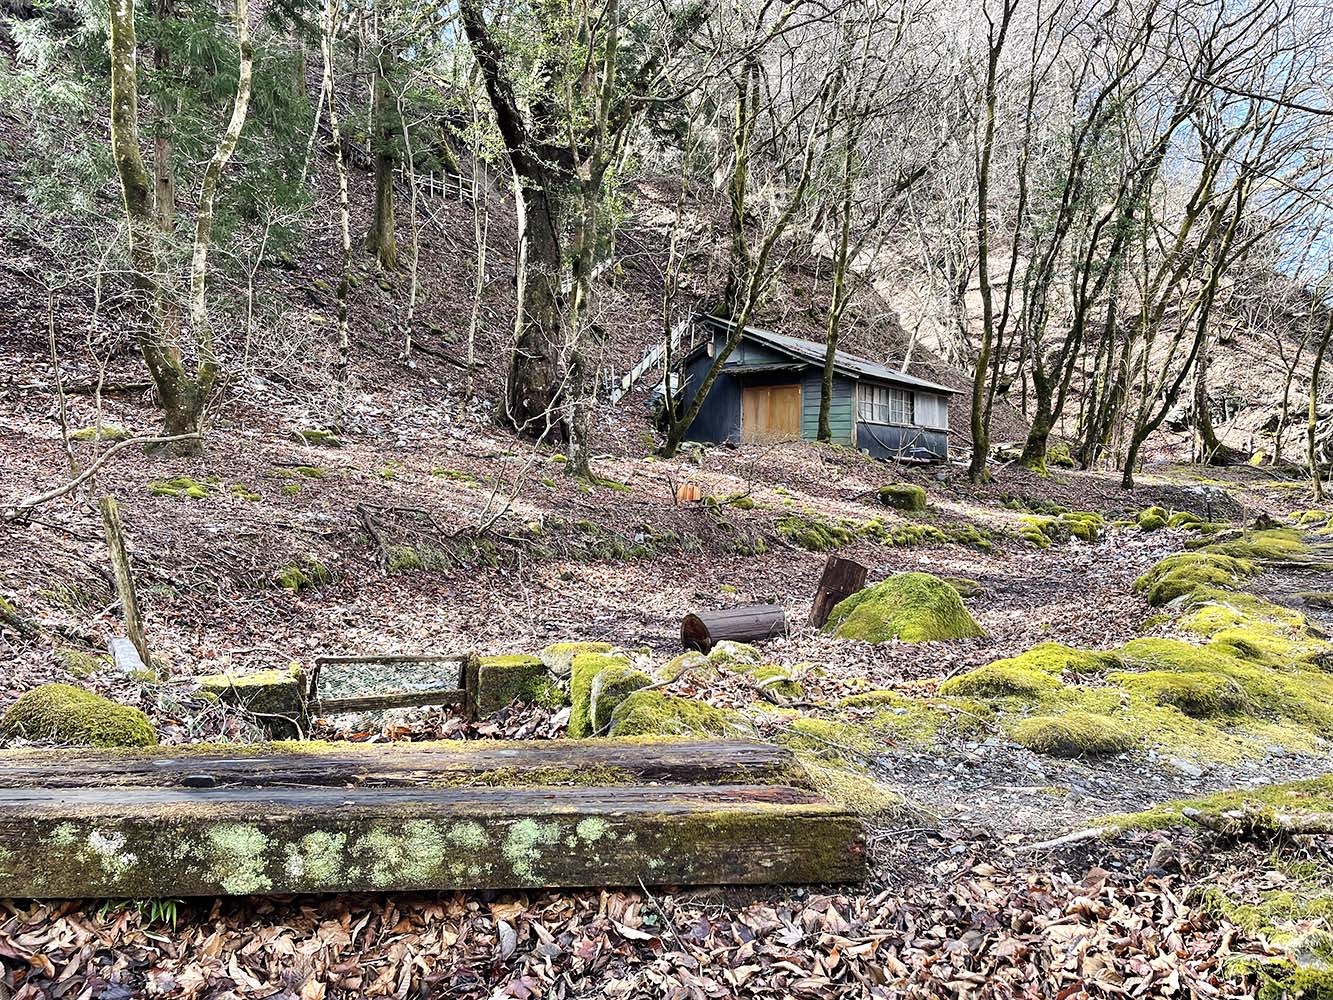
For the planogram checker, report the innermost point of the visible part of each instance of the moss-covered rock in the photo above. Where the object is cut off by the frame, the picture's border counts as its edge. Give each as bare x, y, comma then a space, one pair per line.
729, 653
776, 680
1184, 520
653, 713
583, 671
559, 656
1001, 679
1060, 455
903, 496
103, 432
62, 713
501, 680
296, 577
1273, 544
912, 607
1201, 695
816, 534
1151, 519
279, 694
610, 687
1073, 734
1084, 525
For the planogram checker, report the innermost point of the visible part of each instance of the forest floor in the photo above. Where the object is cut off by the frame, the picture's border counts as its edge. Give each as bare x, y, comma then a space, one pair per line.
439, 533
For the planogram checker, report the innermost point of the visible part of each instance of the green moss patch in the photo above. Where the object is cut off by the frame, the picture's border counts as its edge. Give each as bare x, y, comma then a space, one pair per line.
1152, 519
903, 496
1184, 572
559, 656
183, 488
316, 437
610, 687
62, 713
502, 680
280, 692
102, 432
1074, 734
584, 669
1084, 525
653, 713
912, 607
298, 576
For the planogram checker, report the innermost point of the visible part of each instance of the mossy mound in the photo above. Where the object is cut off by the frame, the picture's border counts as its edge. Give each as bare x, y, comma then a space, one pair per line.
816, 534
183, 488
1200, 695
584, 669
104, 432
652, 713
1184, 572
774, 679
62, 713
1001, 679
1084, 525
1039, 531
903, 496
1184, 519
691, 660
610, 687
1151, 519
1073, 734
1030, 673
912, 607
507, 678
296, 577
1273, 543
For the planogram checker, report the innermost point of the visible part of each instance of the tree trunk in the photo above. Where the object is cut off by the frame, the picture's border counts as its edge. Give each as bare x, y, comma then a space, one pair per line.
343, 357
535, 392
1312, 415
381, 239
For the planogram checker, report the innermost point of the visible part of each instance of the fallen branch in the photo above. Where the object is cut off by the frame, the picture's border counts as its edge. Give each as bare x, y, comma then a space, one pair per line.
1077, 837
25, 507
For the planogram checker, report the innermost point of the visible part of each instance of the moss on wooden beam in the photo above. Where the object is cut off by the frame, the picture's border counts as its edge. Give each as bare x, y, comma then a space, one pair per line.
153, 842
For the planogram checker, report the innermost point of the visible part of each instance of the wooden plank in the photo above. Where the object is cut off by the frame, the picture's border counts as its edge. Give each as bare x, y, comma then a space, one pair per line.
82, 842
450, 763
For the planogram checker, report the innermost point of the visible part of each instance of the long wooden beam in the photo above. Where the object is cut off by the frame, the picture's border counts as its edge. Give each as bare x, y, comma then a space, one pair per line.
294, 818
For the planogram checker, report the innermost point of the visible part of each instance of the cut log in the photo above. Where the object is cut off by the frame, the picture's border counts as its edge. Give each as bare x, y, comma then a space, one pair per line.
841, 579
78, 825
703, 630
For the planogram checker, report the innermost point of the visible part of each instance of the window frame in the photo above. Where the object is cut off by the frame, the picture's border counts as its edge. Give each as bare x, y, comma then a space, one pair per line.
889, 405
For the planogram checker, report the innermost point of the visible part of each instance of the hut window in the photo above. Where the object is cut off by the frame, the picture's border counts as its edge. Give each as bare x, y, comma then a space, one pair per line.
883, 405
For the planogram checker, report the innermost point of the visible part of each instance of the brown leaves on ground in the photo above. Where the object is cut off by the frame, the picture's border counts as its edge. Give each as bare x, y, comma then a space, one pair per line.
988, 934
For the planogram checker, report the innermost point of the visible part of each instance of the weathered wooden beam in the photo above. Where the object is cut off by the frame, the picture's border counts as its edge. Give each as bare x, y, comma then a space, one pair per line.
450, 763
93, 842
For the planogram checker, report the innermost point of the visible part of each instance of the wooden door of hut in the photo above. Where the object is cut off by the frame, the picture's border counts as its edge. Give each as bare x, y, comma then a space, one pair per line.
771, 413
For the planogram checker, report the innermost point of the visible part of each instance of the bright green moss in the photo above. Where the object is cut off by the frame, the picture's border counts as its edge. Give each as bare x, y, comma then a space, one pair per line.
691, 660
244, 492
1313, 795
1083, 524
652, 713
504, 679
1184, 572
81, 664
1001, 679
610, 687
559, 656
316, 437
1201, 695
404, 558
62, 713
1037, 531
584, 669
903, 496
296, 577
912, 607
854, 791
182, 488
1275, 543
816, 534
1073, 734
102, 432
1152, 519
1184, 519
279, 692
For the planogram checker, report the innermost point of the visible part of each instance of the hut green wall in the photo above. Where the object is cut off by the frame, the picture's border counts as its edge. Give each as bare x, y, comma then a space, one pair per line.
842, 407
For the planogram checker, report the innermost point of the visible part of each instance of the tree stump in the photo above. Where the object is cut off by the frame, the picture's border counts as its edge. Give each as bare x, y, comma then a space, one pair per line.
703, 630
842, 578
